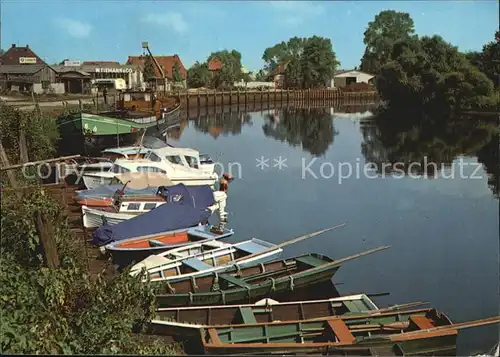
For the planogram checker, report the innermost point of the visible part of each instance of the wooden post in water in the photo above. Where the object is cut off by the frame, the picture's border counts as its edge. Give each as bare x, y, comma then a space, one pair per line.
47, 240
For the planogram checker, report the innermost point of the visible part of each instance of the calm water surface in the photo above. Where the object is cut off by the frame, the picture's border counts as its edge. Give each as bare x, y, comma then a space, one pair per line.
443, 232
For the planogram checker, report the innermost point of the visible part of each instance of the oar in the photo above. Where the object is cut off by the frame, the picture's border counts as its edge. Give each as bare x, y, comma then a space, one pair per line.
292, 241
457, 326
351, 257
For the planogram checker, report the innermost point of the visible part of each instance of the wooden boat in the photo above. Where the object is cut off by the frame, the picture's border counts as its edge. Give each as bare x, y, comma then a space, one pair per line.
199, 259
214, 257
186, 321
393, 333
98, 211
126, 251
181, 165
251, 283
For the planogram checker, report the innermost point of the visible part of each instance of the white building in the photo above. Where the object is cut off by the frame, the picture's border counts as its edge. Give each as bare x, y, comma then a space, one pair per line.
343, 78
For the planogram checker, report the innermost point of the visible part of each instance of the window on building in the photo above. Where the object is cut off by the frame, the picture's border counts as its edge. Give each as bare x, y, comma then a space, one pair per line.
45, 84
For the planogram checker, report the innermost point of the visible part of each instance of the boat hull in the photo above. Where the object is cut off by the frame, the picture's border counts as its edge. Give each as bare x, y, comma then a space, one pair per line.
187, 321
123, 256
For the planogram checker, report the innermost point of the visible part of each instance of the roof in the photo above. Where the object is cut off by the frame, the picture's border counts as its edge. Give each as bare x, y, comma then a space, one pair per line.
100, 63
166, 62
70, 72
176, 151
215, 64
23, 68
14, 54
344, 72
89, 68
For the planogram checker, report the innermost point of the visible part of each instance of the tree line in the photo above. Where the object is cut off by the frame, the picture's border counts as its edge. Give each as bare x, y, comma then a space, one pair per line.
410, 69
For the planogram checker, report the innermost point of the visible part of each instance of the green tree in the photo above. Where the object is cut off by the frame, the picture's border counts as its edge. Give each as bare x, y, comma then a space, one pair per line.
262, 75
388, 27
149, 69
283, 52
231, 68
488, 61
1, 52
430, 72
64, 310
176, 73
197, 75
318, 61
307, 61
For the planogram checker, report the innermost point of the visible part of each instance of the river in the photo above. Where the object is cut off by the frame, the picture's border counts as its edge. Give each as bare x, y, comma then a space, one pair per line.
291, 169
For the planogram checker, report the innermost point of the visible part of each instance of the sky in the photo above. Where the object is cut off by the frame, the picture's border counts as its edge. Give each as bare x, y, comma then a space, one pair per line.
108, 30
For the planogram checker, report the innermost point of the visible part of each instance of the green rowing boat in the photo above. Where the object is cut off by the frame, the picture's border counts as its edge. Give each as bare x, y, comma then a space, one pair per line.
251, 283
414, 332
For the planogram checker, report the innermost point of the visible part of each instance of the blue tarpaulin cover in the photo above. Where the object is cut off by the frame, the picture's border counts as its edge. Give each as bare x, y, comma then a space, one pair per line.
164, 218
196, 196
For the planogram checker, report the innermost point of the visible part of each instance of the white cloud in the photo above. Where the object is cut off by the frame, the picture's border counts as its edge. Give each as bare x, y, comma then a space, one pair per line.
75, 28
173, 20
295, 12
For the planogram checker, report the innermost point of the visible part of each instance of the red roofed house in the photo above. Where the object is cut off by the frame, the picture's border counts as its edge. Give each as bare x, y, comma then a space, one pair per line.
22, 70
167, 64
215, 64
279, 75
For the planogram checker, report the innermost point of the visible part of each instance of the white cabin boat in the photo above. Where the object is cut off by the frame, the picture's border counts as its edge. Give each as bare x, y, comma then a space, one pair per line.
196, 260
128, 208
181, 165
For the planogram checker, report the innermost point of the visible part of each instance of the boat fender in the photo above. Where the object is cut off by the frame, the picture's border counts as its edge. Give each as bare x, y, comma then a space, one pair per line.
104, 220
238, 269
262, 267
273, 286
216, 279
190, 298
248, 292
223, 296
292, 285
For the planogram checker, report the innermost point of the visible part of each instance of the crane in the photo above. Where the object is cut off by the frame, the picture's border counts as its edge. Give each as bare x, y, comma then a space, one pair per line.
145, 45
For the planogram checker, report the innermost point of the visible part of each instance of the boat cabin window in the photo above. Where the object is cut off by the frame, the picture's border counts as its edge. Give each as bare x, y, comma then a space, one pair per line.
117, 169
133, 206
149, 206
192, 161
150, 169
153, 157
174, 159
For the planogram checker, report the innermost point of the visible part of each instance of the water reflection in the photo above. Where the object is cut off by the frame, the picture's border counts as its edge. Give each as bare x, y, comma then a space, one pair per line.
223, 123
313, 129
395, 140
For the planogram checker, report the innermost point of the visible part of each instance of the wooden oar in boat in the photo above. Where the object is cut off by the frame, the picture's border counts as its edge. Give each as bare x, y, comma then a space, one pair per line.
456, 326
351, 257
294, 240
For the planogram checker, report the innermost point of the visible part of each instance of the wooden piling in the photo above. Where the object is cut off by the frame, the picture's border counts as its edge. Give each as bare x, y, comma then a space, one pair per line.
47, 240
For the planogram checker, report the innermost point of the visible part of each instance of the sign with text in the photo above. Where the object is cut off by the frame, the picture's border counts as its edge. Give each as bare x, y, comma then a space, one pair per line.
27, 60
72, 63
113, 70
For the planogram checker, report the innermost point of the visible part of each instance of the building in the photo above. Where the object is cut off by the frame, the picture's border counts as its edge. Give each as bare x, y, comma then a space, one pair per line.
343, 78
167, 65
79, 77
21, 70
279, 75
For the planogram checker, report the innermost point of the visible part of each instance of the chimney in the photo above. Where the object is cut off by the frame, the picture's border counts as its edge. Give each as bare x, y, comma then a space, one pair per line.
27, 46
13, 45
